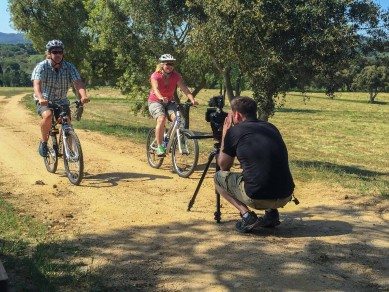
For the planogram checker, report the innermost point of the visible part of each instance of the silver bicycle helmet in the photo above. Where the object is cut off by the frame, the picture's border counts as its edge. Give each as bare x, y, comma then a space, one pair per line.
54, 44
166, 58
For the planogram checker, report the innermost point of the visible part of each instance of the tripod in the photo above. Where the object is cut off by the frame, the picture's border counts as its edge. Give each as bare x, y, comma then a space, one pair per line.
217, 213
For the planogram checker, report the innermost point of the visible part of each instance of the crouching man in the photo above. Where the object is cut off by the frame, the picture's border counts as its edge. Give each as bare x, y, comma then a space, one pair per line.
266, 182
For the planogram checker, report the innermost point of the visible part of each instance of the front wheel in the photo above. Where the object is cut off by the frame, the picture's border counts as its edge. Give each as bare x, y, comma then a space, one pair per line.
73, 158
51, 160
151, 149
185, 153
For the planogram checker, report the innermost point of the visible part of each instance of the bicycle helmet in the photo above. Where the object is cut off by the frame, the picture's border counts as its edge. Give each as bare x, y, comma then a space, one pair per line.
166, 58
54, 44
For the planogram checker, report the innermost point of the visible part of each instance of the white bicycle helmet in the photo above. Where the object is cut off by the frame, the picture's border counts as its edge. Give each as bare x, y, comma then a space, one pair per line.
54, 44
166, 58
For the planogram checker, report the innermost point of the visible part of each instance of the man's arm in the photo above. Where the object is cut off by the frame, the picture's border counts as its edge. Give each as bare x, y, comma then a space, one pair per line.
186, 91
80, 87
154, 87
37, 84
225, 161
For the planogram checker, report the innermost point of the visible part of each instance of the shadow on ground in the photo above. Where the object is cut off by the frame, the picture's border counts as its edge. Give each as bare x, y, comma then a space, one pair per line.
112, 179
203, 255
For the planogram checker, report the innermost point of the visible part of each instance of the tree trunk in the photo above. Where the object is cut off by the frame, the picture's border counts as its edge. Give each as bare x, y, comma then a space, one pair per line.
373, 95
238, 87
199, 87
227, 83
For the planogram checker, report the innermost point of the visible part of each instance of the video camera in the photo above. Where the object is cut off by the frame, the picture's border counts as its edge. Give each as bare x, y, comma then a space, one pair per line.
216, 116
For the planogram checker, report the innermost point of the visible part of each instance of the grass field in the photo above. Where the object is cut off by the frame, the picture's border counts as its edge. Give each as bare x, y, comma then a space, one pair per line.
341, 141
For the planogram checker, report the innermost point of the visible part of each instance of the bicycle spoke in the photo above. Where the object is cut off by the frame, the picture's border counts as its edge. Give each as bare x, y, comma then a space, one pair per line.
185, 155
73, 158
51, 160
151, 148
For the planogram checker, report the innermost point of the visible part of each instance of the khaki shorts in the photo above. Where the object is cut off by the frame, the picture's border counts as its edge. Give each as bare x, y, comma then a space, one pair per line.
233, 183
157, 109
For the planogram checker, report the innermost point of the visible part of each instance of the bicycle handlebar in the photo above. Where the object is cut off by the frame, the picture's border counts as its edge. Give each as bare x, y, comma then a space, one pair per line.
53, 105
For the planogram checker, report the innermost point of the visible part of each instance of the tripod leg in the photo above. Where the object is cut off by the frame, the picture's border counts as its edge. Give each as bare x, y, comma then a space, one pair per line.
217, 212
210, 158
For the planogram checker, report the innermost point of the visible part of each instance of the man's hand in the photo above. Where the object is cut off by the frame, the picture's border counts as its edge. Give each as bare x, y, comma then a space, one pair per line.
84, 99
42, 101
194, 102
228, 123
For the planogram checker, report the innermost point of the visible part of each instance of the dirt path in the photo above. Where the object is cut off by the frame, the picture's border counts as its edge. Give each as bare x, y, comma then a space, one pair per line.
132, 221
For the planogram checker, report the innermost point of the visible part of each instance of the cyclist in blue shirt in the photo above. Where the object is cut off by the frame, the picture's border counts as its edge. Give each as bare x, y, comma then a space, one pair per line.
52, 79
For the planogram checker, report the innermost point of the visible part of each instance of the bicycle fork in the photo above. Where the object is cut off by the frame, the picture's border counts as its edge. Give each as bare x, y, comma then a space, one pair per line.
67, 139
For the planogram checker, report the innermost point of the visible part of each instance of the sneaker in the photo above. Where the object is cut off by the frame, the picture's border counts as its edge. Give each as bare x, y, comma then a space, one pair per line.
161, 151
270, 220
247, 224
43, 149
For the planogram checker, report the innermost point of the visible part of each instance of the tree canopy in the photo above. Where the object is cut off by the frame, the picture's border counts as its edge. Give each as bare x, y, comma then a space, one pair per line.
274, 45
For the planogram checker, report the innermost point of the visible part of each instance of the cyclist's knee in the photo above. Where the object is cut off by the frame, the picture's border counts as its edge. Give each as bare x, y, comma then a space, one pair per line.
161, 120
46, 115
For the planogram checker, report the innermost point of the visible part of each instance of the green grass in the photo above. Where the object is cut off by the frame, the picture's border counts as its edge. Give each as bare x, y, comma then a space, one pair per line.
37, 260
341, 141
11, 91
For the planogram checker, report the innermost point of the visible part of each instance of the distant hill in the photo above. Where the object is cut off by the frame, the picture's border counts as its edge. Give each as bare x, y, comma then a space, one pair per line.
12, 38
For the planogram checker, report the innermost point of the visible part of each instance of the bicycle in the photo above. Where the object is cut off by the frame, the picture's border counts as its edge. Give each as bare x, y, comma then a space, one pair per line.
177, 140
67, 145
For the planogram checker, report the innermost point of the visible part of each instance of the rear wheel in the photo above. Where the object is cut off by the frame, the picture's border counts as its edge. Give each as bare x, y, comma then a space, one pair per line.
151, 149
51, 160
185, 159
73, 158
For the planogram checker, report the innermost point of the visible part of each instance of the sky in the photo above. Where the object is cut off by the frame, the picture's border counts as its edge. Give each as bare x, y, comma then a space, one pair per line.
6, 27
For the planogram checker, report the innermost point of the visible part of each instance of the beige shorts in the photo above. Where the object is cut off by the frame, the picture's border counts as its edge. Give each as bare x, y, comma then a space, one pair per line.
233, 183
157, 109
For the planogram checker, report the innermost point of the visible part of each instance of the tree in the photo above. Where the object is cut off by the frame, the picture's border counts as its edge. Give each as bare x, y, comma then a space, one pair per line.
372, 79
45, 20
278, 45
272, 45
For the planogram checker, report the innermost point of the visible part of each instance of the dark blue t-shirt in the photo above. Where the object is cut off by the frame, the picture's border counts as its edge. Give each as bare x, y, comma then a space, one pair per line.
263, 156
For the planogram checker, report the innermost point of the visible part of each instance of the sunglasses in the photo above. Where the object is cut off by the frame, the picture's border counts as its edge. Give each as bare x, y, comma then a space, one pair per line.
169, 64
57, 52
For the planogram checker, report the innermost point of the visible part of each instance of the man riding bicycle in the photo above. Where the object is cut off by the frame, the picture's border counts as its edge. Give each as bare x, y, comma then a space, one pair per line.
52, 79
164, 82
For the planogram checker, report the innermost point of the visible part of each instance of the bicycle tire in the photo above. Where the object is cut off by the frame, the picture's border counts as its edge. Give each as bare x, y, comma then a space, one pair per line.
75, 158
51, 160
185, 163
151, 146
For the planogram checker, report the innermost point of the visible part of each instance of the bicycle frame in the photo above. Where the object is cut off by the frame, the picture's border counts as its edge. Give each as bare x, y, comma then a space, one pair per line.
183, 148
66, 145
62, 120
174, 130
